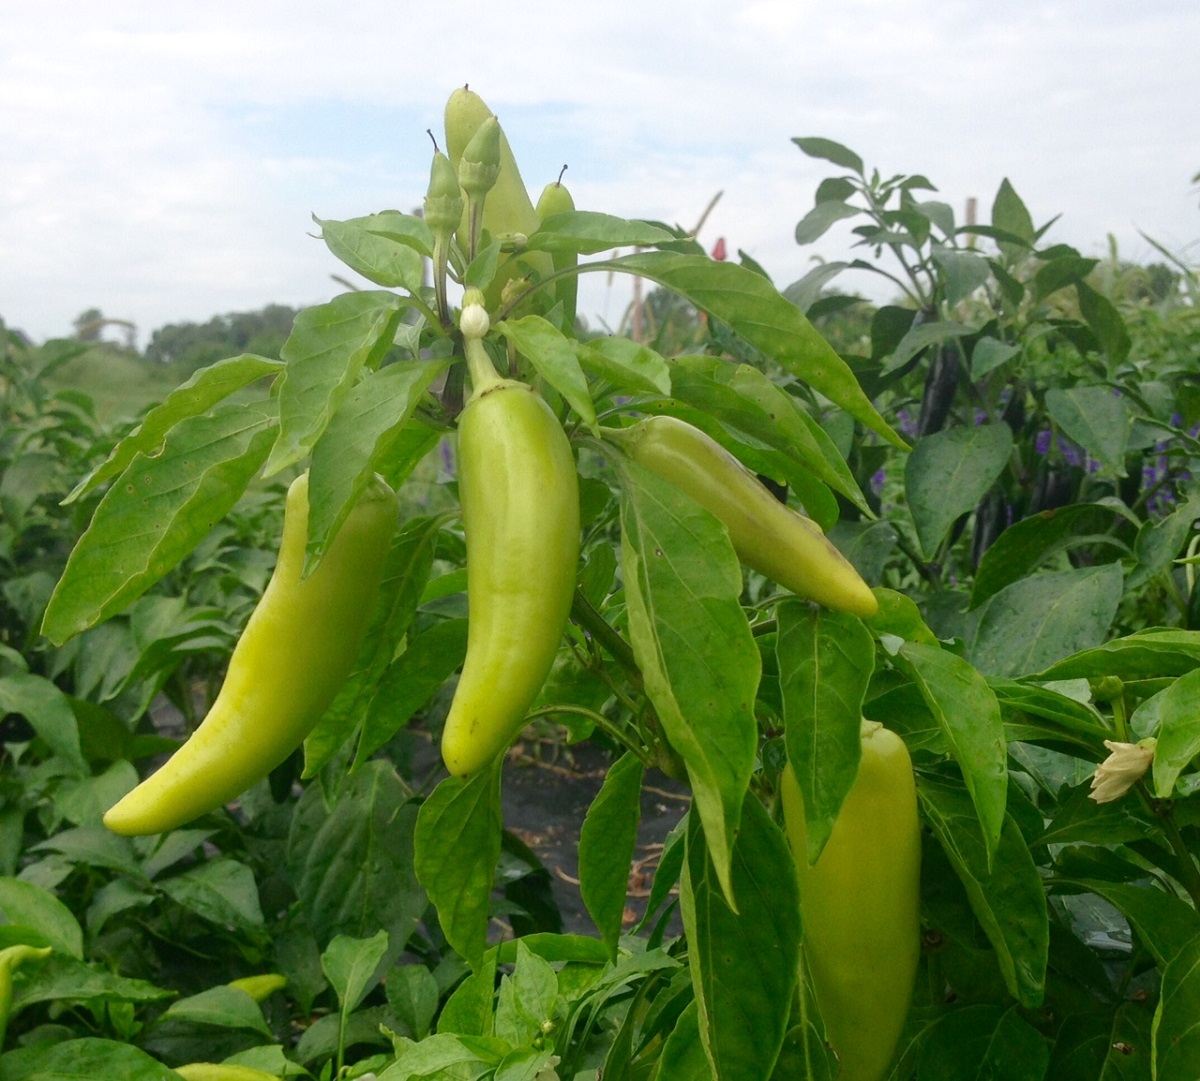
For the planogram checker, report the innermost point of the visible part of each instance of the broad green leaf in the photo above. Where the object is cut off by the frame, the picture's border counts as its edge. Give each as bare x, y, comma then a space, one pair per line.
1106, 323
666, 874
586, 232
922, 336
682, 1057
1008, 900
825, 664
457, 848
383, 259
83, 1060
1165, 923
988, 354
1159, 542
963, 271
1062, 266
628, 365
1176, 1030
745, 964
753, 308
358, 439
967, 712
828, 150
1037, 621
226, 1007
606, 844
469, 1010
1077, 722
329, 345
806, 291
948, 473
351, 863
693, 645
823, 217
1178, 732
526, 1000
352, 965
445, 1056
979, 1042
26, 905
1080, 819
221, 890
201, 392
1139, 656
1095, 418
93, 846
429, 659
553, 355
1026, 544
157, 513
1010, 216
48, 712
405, 574
412, 992
64, 980
899, 615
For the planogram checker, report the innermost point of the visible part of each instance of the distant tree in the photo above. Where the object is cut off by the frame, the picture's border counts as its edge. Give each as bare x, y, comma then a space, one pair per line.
192, 345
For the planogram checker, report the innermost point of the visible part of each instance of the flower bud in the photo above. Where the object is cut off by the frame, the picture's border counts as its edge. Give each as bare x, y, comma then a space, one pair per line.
479, 167
443, 200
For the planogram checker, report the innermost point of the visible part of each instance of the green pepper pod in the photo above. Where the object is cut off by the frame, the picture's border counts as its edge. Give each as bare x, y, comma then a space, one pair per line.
767, 535
12, 958
222, 1071
295, 653
520, 510
860, 904
555, 199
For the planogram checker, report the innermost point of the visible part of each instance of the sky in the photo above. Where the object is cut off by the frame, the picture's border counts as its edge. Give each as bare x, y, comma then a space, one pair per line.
162, 161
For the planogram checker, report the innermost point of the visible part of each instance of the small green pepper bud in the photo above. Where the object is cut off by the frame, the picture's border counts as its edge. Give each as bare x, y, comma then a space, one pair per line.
479, 166
444, 200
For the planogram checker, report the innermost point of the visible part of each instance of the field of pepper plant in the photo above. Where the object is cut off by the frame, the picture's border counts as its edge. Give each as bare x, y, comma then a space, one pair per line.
902, 596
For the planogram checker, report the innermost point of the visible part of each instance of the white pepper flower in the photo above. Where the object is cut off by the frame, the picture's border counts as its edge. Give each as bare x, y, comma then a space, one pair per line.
1122, 769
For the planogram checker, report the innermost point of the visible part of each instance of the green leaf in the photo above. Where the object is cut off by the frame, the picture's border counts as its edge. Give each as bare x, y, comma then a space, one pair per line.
683, 1057
221, 890
223, 1006
586, 232
446, 1057
1037, 621
1027, 544
553, 355
352, 966
693, 644
963, 271
329, 345
429, 659
979, 1042
1176, 1034
351, 864
357, 441
412, 993
526, 999
1178, 709
48, 712
1010, 216
828, 150
83, 1060
457, 848
753, 308
157, 513
1159, 542
922, 336
1145, 655
1165, 923
899, 615
1106, 323
1008, 900
745, 964
606, 844
469, 1011
988, 354
628, 365
201, 392
64, 979
26, 905
1095, 418
968, 714
825, 664
365, 246
948, 473
823, 217
1074, 721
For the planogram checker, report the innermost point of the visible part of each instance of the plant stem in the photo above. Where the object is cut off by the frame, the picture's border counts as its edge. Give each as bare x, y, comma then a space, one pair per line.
585, 614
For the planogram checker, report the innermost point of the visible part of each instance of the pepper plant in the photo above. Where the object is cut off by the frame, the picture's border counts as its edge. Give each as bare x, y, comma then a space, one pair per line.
399, 923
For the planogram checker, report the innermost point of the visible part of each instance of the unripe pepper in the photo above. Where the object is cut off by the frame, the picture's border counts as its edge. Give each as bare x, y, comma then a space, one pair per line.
767, 535
221, 1071
478, 171
12, 958
294, 655
860, 904
555, 199
520, 509
443, 211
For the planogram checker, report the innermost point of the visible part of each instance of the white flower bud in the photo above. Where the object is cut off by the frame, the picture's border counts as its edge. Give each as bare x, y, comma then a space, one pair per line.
474, 322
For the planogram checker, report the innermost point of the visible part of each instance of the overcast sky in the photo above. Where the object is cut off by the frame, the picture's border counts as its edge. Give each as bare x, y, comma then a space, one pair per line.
161, 161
